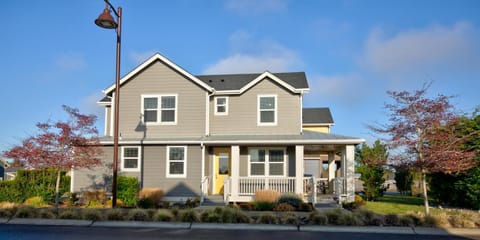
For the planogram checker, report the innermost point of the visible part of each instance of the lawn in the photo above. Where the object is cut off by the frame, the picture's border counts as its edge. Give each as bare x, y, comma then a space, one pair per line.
397, 204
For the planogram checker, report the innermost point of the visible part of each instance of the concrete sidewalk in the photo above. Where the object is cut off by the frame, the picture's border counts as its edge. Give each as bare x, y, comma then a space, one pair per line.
260, 227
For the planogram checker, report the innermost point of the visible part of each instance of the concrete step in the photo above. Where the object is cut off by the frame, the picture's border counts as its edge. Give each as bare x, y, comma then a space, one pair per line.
213, 200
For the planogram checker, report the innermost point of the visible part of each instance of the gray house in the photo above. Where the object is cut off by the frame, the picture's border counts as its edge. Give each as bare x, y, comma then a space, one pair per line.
228, 135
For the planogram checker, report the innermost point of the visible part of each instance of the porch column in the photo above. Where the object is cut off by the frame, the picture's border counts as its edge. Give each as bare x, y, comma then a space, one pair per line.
331, 170
348, 166
235, 171
299, 169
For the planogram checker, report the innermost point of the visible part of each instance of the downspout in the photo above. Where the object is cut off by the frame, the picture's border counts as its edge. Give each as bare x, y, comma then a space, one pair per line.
301, 112
207, 115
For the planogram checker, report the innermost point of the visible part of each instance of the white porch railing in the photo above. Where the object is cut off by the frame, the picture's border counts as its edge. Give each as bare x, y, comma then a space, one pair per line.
249, 185
204, 186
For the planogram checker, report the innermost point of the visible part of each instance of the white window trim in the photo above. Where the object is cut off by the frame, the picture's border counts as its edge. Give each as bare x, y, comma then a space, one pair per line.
184, 175
216, 106
274, 123
159, 108
267, 162
139, 158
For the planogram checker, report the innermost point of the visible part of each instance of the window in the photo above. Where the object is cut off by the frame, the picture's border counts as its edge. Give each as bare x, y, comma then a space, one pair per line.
130, 159
177, 161
267, 162
267, 110
160, 109
221, 106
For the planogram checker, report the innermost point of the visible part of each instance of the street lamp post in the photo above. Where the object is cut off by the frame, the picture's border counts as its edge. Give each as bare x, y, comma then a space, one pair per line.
105, 20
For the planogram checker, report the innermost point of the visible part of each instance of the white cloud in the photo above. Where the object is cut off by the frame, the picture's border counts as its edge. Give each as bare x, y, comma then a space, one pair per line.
140, 57
255, 7
89, 104
252, 55
423, 51
346, 89
70, 62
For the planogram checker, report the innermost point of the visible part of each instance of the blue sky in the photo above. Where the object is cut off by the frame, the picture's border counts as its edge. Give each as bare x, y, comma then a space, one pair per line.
352, 51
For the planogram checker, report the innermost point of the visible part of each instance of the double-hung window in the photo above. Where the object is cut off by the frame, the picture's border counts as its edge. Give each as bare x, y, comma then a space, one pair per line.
221, 106
267, 110
160, 109
267, 162
130, 159
176, 161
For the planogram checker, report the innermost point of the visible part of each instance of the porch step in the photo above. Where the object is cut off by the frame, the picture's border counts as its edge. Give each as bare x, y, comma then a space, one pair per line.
326, 201
213, 200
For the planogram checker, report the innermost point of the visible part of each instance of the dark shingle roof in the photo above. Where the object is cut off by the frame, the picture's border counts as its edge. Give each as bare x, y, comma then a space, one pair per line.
223, 82
317, 116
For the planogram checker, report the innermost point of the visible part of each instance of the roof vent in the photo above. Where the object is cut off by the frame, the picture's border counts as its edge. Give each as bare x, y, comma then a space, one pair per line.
223, 80
210, 80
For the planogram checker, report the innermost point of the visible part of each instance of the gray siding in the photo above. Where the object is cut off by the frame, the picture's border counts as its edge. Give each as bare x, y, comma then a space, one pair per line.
242, 112
154, 172
159, 79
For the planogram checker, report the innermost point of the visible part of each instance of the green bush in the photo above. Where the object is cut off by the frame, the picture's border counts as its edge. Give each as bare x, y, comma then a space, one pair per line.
31, 183
92, 214
115, 215
318, 218
290, 219
47, 213
290, 198
146, 203
267, 218
137, 215
26, 212
36, 201
284, 207
127, 188
264, 206
188, 215
164, 215
7, 212
392, 219
69, 214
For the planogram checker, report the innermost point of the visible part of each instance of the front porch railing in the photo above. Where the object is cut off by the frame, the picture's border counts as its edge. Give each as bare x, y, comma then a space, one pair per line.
204, 186
249, 185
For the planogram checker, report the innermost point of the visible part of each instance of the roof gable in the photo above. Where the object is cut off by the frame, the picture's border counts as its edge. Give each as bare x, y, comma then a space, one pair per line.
148, 62
238, 83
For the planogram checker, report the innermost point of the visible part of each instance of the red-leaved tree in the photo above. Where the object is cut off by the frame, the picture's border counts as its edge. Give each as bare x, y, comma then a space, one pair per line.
61, 145
424, 131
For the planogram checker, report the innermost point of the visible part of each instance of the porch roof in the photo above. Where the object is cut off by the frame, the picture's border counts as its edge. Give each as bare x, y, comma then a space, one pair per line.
307, 138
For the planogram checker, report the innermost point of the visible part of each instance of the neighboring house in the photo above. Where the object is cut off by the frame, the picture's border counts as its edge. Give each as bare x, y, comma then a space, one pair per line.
230, 135
3, 165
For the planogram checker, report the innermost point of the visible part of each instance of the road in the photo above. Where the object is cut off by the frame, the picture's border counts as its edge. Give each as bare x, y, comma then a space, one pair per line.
25, 232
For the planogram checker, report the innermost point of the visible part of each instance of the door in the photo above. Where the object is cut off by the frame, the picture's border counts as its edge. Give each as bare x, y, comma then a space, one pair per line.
222, 168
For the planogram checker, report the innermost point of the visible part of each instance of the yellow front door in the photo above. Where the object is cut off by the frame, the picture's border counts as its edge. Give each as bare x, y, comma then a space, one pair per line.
221, 168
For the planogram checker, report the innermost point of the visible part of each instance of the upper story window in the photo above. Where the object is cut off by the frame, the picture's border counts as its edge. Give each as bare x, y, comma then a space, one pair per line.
176, 161
130, 159
160, 109
221, 105
267, 110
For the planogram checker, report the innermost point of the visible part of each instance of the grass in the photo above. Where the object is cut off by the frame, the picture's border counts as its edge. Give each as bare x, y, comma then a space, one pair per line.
397, 204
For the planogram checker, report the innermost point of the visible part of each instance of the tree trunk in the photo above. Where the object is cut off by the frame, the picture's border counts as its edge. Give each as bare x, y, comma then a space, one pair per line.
425, 196
57, 190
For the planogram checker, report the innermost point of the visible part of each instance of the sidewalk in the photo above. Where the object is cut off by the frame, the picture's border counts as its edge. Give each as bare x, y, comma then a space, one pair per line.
260, 227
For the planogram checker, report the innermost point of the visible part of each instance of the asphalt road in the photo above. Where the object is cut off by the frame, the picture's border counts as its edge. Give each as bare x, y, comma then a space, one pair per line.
20, 232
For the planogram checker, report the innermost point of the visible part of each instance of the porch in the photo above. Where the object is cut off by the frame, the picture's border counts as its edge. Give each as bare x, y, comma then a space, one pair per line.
237, 187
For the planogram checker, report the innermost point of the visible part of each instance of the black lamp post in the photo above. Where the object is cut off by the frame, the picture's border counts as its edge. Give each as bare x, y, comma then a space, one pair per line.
105, 20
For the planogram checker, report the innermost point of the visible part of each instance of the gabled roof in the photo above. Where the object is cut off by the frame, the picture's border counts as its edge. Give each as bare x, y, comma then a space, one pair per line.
148, 62
238, 83
317, 116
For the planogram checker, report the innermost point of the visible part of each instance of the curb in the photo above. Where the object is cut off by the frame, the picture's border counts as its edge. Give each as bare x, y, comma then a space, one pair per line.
244, 226
395, 230
4, 220
51, 222
138, 224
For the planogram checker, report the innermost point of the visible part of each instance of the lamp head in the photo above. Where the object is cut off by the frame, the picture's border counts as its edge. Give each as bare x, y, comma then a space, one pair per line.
105, 20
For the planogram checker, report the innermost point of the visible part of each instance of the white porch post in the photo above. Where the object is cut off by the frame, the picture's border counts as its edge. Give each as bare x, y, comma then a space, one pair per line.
349, 171
331, 170
235, 171
299, 169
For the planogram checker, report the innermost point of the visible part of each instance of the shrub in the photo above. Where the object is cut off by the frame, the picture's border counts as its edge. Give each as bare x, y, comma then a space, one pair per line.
266, 196
305, 207
92, 214
108, 203
154, 195
392, 219
93, 199
137, 215
405, 221
318, 218
367, 217
283, 207
247, 206
47, 213
36, 201
210, 217
291, 198
192, 203
348, 219
115, 215
145, 203
333, 216
127, 188
69, 214
26, 212
188, 215
163, 215
240, 217
264, 206
267, 218
290, 219
7, 212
